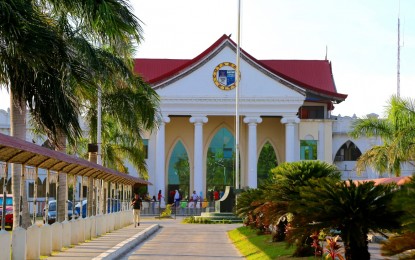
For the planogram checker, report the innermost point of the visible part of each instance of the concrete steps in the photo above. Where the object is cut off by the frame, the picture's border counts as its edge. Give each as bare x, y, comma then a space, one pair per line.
219, 217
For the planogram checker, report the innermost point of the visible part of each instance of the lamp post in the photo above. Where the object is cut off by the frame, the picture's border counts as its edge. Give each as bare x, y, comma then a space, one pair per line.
221, 163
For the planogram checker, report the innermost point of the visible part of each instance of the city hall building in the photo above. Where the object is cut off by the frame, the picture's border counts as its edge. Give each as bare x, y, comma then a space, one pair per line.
284, 108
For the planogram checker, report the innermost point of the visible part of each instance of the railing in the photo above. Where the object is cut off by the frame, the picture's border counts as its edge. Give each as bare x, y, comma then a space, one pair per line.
183, 208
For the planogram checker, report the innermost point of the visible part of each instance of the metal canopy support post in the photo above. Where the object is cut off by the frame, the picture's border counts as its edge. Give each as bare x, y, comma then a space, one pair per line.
81, 197
35, 195
47, 197
22, 182
3, 214
75, 181
110, 197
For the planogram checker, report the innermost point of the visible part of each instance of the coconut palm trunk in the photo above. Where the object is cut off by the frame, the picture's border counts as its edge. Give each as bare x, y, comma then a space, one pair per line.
90, 194
62, 196
18, 130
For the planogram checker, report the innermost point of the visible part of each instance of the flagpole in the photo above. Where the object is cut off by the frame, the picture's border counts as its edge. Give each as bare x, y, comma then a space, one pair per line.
237, 98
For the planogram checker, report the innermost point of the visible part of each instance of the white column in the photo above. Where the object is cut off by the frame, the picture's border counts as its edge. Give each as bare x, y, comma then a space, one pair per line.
321, 143
252, 150
161, 155
198, 121
151, 163
290, 137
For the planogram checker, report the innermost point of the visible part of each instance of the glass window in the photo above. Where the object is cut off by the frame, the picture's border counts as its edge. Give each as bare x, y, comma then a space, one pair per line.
145, 143
52, 206
311, 112
308, 150
348, 152
220, 168
267, 161
179, 170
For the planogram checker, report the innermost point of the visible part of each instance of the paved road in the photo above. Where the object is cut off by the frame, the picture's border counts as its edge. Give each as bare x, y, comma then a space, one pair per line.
187, 241
172, 241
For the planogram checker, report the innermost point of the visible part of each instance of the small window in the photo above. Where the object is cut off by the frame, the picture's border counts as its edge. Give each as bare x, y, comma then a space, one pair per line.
145, 143
311, 112
348, 152
308, 150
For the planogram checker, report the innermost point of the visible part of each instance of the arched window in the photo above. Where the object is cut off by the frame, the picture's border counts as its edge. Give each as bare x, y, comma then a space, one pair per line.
39, 188
348, 152
178, 172
266, 161
220, 168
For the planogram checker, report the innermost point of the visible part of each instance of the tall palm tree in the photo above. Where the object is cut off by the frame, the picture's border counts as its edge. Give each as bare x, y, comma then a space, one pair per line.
397, 132
43, 52
102, 34
34, 62
351, 208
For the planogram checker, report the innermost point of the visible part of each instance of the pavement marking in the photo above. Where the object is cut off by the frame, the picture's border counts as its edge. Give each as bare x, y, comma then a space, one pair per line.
128, 244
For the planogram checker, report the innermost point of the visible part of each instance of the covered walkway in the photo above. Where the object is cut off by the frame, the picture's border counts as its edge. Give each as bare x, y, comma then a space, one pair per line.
36, 241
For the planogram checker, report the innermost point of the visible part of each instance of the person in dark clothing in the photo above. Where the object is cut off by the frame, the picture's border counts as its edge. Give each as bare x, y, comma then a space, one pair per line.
137, 204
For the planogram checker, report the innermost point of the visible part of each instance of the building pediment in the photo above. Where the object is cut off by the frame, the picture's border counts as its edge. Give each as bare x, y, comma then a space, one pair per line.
312, 78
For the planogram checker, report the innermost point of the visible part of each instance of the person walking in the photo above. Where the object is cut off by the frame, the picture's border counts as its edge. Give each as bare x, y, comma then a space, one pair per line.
137, 204
159, 197
176, 198
195, 198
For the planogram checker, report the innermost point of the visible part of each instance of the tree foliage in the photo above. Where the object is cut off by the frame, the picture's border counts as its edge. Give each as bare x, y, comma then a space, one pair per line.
397, 132
351, 208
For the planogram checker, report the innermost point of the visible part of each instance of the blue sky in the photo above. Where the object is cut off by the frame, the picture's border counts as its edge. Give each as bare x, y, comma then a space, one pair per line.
361, 37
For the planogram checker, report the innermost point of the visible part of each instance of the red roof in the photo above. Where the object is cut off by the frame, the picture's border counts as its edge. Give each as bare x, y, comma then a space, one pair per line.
312, 75
401, 180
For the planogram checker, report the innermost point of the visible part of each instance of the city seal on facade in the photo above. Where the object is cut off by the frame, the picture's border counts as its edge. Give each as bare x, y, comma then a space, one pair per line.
224, 75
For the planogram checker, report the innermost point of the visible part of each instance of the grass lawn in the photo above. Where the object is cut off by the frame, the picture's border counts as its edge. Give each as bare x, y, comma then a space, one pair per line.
254, 246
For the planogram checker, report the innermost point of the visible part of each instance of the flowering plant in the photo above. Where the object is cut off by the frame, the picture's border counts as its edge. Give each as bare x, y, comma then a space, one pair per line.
333, 249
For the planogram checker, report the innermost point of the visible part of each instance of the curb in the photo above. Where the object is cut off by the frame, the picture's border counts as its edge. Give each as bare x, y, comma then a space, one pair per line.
126, 245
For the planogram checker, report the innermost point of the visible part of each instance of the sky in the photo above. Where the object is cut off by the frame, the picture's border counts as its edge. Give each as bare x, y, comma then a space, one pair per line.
360, 35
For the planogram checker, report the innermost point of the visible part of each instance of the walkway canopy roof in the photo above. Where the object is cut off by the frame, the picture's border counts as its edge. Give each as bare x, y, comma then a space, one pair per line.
14, 150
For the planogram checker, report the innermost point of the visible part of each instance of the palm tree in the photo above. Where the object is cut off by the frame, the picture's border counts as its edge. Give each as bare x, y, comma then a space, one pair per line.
288, 178
351, 208
34, 61
250, 207
43, 49
128, 103
397, 134
273, 200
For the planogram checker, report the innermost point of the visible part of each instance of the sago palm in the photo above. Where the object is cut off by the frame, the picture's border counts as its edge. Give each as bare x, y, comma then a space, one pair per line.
353, 209
288, 178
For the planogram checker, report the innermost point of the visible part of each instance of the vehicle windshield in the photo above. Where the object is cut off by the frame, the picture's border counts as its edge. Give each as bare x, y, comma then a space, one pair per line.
52, 206
9, 201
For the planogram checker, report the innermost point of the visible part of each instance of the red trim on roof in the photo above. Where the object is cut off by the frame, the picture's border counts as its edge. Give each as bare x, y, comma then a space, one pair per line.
186, 64
151, 69
313, 75
401, 180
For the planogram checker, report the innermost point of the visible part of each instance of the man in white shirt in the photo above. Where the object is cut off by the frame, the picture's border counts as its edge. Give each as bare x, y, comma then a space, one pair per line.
195, 198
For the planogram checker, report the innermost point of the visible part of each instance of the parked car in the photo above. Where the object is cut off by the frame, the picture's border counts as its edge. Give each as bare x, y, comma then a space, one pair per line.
52, 214
9, 210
